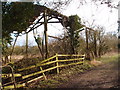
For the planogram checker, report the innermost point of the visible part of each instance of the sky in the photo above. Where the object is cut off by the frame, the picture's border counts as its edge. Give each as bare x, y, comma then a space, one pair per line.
100, 14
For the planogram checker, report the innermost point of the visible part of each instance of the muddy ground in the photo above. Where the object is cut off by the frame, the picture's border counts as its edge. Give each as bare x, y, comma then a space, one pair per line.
103, 76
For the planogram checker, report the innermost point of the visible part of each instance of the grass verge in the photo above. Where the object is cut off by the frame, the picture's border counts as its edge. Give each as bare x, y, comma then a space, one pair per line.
109, 58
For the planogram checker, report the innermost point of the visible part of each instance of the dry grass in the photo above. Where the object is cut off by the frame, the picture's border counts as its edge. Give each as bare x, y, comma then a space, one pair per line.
16, 58
95, 63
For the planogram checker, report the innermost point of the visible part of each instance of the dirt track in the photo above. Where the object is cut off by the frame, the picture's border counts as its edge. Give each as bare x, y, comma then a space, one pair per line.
104, 76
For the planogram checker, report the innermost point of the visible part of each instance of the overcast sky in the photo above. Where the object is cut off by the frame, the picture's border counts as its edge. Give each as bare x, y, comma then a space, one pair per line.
100, 14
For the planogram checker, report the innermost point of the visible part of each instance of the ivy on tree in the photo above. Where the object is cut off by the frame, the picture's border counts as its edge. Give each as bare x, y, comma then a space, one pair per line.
73, 32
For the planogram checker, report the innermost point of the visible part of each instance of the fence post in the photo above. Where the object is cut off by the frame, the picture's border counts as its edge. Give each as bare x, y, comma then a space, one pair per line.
43, 73
57, 63
83, 59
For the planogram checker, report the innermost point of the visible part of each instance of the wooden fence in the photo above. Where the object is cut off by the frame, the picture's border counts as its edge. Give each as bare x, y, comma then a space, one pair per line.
55, 63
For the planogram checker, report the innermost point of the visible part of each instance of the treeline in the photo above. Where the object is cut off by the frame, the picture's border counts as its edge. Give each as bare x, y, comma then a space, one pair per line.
98, 45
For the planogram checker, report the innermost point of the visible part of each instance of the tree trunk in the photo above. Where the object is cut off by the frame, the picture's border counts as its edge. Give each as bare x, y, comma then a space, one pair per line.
46, 35
95, 44
38, 46
87, 46
13, 46
26, 45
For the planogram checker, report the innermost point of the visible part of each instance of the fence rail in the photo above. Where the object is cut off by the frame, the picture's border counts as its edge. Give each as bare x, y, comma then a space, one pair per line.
56, 61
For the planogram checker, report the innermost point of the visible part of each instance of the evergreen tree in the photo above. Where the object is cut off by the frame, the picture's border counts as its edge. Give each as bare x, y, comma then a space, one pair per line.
73, 32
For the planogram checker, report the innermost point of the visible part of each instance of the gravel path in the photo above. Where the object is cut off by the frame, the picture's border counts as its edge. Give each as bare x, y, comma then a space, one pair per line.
104, 76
